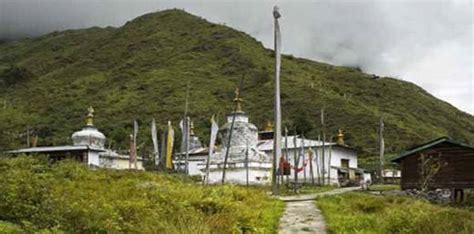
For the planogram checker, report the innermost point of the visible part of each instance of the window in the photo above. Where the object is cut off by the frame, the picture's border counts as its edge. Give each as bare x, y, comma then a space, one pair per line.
345, 163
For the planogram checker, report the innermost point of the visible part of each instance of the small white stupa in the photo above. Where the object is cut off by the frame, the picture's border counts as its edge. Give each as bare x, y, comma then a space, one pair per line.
98, 156
242, 150
89, 135
194, 142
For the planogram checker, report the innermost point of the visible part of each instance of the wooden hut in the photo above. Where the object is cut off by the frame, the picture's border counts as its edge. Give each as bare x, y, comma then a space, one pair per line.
450, 163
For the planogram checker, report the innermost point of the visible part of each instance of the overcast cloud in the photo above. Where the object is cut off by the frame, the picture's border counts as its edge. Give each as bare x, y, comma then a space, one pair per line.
429, 43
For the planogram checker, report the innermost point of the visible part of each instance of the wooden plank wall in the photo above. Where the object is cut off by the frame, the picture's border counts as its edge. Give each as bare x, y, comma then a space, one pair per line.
458, 173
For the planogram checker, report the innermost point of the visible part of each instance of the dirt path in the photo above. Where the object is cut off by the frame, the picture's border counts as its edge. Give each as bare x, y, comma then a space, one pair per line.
301, 214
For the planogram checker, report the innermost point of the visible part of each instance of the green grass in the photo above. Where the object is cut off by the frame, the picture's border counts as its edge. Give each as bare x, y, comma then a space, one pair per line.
69, 197
364, 213
140, 70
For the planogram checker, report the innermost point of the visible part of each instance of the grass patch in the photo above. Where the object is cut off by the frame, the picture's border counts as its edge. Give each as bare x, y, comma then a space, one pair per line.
67, 196
364, 213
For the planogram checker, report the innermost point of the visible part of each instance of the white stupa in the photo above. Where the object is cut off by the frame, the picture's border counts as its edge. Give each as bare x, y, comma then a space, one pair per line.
244, 136
89, 135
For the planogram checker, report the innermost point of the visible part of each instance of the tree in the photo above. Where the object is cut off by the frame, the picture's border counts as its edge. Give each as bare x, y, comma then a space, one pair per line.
429, 167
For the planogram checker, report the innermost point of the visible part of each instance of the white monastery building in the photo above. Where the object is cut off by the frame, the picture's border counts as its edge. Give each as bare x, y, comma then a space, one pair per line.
88, 147
338, 164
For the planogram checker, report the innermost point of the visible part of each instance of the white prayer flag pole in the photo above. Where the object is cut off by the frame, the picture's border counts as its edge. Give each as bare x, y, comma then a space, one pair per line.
212, 142
277, 133
154, 138
381, 149
135, 134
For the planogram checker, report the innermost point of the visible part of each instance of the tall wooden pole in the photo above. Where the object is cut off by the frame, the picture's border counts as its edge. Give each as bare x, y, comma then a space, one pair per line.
135, 135
247, 164
311, 170
296, 161
304, 158
287, 152
234, 113
329, 160
277, 133
323, 153
28, 136
212, 141
186, 133
381, 148
163, 149
154, 139
130, 159
318, 160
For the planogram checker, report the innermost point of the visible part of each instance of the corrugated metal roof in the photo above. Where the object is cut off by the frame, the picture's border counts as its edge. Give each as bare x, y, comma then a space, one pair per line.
197, 151
428, 145
46, 149
267, 145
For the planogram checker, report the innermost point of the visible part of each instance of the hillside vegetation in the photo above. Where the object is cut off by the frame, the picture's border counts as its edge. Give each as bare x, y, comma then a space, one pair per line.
140, 70
70, 197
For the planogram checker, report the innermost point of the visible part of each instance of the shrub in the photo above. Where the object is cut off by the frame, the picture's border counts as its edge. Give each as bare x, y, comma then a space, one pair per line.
363, 213
67, 196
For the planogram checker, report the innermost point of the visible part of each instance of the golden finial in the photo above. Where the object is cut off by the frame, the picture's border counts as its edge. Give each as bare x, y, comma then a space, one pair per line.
238, 100
90, 116
340, 137
269, 127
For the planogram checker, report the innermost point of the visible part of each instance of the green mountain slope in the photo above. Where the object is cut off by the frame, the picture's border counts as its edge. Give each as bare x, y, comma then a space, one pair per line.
140, 71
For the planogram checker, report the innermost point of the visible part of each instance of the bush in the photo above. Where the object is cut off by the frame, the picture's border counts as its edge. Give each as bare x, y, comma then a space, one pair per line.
70, 197
363, 213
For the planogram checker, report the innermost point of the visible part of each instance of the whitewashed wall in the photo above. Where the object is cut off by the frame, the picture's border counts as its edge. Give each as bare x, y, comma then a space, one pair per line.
93, 158
238, 176
337, 154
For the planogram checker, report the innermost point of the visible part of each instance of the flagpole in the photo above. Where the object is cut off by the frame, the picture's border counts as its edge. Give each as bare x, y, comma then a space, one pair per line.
381, 148
304, 157
163, 149
214, 131
311, 170
329, 160
154, 138
277, 133
135, 134
323, 150
287, 154
318, 161
130, 158
296, 161
229, 141
186, 131
169, 147
247, 164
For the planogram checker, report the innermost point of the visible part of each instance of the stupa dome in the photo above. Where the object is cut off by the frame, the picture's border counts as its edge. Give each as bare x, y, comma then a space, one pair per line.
244, 133
89, 135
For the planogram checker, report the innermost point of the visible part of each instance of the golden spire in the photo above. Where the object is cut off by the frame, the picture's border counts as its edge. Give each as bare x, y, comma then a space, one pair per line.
269, 127
238, 100
90, 117
340, 137
191, 128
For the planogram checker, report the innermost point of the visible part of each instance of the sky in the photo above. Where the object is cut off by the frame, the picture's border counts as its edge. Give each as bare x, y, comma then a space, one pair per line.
427, 42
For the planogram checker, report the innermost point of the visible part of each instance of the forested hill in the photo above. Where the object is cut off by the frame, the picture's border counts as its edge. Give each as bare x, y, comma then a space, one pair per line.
140, 71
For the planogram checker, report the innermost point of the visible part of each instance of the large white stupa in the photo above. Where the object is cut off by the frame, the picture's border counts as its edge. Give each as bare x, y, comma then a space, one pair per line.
242, 149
